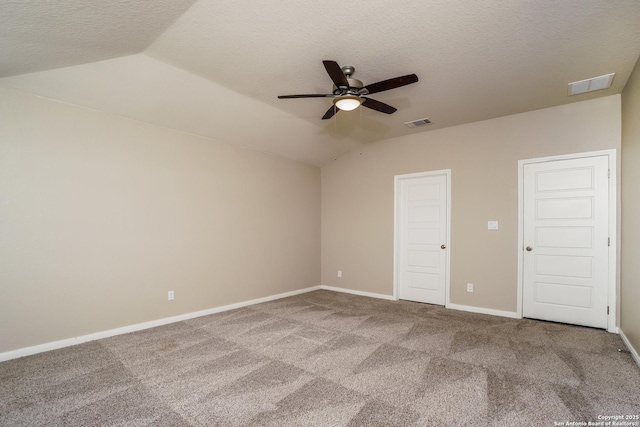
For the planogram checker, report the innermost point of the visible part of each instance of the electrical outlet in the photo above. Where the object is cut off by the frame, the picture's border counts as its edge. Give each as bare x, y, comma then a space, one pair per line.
339, 273
170, 296
469, 287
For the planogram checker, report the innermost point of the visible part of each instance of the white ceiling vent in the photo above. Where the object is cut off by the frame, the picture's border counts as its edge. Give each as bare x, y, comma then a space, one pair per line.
590, 85
416, 123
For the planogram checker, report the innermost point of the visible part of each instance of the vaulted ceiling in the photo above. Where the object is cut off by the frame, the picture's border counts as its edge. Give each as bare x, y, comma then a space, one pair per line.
215, 68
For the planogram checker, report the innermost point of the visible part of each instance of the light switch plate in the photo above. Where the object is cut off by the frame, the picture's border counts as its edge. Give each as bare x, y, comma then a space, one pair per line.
492, 225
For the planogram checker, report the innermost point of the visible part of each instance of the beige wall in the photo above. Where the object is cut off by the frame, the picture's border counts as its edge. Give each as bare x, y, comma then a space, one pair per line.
100, 216
357, 196
630, 269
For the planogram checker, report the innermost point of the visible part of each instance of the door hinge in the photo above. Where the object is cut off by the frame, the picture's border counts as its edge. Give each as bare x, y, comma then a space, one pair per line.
608, 173
608, 241
607, 309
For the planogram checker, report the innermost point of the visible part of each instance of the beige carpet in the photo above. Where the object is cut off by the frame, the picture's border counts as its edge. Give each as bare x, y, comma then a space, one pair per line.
329, 359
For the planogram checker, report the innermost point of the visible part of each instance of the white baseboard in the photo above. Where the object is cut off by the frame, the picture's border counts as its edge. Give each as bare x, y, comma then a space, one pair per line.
511, 314
28, 351
632, 350
361, 293
472, 309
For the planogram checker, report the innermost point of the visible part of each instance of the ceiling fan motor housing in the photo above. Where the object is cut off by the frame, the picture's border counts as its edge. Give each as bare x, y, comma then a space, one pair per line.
354, 84
354, 87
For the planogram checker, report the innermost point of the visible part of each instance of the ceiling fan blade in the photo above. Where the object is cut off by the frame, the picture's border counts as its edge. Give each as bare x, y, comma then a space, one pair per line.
330, 112
391, 83
308, 95
336, 74
378, 106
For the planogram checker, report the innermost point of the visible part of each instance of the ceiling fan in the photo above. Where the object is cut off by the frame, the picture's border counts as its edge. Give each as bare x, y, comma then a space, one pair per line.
349, 93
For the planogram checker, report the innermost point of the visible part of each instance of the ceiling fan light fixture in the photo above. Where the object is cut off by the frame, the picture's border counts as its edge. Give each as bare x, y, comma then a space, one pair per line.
347, 102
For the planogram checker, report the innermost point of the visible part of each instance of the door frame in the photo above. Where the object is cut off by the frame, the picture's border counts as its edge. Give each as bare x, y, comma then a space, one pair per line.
397, 179
612, 285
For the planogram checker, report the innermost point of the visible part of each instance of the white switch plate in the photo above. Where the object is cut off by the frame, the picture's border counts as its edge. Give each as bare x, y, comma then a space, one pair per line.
339, 273
469, 287
492, 225
170, 295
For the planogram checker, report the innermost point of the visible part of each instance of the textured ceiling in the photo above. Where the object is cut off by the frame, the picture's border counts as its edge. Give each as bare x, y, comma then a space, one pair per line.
215, 68
38, 35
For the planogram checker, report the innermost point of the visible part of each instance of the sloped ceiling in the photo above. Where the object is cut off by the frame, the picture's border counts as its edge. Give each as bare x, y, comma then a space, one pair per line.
38, 35
215, 68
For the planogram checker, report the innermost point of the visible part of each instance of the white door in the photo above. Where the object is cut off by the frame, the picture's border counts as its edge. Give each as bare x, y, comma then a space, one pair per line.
421, 237
565, 236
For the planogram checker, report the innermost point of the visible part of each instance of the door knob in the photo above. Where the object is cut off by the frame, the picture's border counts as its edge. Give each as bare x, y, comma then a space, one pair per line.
443, 247
528, 248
